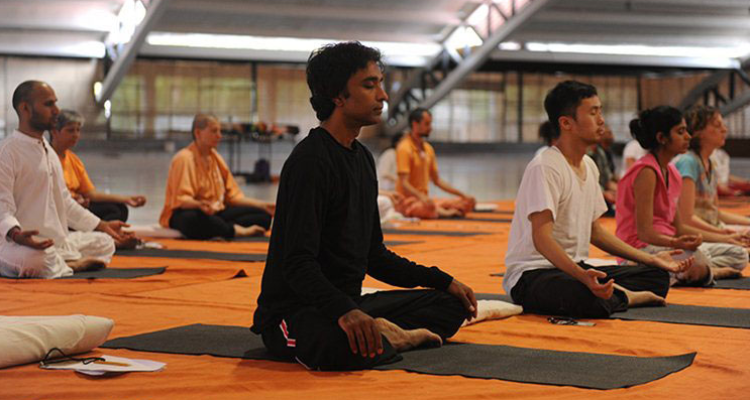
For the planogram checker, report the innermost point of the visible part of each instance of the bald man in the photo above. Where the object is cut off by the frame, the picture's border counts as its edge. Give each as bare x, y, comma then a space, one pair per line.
36, 208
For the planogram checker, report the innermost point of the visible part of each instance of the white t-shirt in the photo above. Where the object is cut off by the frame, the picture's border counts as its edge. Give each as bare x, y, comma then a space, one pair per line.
721, 163
549, 183
387, 166
540, 150
632, 150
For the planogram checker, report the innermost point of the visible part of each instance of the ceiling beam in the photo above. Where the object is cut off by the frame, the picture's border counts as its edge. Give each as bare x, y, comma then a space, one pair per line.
738, 103
125, 59
286, 10
640, 19
614, 59
85, 16
333, 34
476, 58
547, 34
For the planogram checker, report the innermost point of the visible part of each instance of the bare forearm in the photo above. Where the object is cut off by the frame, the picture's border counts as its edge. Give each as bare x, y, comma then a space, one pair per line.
247, 202
448, 188
105, 197
611, 244
652, 237
733, 219
547, 246
411, 190
698, 223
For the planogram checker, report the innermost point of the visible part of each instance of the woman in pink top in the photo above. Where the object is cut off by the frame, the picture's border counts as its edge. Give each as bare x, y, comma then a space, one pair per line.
647, 214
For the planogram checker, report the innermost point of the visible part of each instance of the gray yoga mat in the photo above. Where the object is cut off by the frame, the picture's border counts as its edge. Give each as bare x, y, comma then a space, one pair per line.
740, 284
431, 233
111, 273
505, 212
117, 273
261, 239
549, 367
672, 313
496, 220
192, 254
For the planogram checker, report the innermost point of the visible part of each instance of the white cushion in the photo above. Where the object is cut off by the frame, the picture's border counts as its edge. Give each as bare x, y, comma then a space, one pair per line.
28, 339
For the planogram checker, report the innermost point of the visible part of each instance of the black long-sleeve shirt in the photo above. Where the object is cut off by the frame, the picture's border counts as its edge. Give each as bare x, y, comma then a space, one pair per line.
326, 235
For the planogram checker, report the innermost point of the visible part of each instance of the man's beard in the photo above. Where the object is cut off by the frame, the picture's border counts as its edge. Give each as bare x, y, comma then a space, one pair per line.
38, 124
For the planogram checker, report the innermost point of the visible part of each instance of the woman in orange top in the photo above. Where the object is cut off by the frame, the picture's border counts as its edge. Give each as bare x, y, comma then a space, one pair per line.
203, 200
108, 207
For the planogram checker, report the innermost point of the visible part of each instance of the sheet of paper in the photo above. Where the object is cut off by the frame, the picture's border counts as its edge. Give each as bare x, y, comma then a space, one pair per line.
98, 368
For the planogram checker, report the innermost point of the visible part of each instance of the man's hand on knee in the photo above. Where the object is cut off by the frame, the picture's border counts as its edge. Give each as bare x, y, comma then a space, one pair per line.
466, 295
363, 334
26, 238
601, 290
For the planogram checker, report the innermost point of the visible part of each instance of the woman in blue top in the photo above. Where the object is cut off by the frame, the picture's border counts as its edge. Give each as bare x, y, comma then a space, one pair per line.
699, 202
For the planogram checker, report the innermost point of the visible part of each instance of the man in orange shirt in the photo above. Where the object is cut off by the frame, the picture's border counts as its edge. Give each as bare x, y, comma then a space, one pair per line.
417, 166
109, 207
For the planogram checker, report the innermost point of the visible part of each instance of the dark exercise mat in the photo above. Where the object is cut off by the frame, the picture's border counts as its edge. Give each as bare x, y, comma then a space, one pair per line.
117, 273
594, 371
253, 239
110, 273
431, 233
741, 284
192, 254
496, 220
506, 212
672, 313
260, 239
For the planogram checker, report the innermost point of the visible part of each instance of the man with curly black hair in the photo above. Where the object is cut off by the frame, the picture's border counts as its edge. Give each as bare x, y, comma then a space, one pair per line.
326, 236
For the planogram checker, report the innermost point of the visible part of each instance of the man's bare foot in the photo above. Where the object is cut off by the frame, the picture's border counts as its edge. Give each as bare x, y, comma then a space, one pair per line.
643, 298
726, 273
254, 230
402, 339
86, 264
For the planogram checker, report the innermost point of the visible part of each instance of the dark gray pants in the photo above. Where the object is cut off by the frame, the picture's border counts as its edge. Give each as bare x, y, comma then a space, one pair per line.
195, 224
554, 292
312, 339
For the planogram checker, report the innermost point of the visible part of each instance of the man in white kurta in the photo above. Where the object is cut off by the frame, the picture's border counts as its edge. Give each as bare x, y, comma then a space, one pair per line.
36, 208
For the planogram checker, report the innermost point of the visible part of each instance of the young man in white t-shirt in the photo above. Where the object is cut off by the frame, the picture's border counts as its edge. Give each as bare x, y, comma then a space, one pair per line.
557, 208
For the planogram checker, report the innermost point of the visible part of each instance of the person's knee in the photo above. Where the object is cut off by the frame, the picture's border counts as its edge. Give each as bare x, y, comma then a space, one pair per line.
742, 257
331, 352
106, 246
265, 221
35, 263
123, 212
452, 307
659, 279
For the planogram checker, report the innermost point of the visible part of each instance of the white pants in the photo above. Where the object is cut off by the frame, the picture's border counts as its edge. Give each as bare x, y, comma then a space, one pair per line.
18, 261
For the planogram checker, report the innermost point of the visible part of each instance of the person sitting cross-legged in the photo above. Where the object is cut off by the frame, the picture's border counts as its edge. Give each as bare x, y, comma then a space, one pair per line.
109, 207
203, 200
326, 237
556, 219
648, 217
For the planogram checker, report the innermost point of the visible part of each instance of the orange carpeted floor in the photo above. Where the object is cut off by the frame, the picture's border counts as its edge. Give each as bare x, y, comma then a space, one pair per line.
206, 291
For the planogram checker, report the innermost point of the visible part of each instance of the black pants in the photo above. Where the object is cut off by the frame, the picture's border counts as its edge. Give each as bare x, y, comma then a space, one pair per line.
109, 211
313, 340
195, 224
553, 292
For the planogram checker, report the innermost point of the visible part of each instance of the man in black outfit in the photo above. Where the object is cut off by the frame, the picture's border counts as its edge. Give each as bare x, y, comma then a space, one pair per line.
326, 236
